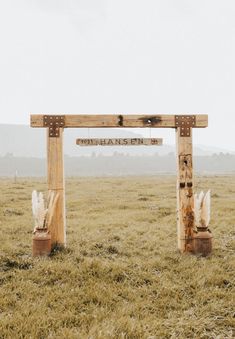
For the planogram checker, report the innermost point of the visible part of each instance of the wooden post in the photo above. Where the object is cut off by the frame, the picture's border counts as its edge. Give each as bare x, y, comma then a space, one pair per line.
55, 175
185, 199
184, 125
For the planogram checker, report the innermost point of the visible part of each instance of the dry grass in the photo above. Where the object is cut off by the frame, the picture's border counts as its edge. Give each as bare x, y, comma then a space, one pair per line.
121, 275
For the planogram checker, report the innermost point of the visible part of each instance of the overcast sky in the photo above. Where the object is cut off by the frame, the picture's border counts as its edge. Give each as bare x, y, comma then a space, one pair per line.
120, 56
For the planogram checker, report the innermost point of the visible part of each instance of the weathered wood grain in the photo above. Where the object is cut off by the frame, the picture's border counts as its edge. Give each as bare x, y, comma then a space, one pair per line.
55, 178
119, 121
185, 200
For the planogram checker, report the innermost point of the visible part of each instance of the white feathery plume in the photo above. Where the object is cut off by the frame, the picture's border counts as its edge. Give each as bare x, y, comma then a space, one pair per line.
41, 210
198, 199
205, 213
196, 210
202, 209
38, 209
34, 203
42, 214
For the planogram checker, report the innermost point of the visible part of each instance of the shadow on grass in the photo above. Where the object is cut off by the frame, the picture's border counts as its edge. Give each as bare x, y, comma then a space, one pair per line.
58, 250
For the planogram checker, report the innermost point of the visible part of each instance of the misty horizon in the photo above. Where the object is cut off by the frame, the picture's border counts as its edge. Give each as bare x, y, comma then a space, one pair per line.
21, 140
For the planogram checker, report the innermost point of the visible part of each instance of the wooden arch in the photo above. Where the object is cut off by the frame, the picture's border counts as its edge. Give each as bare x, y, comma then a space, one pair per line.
183, 124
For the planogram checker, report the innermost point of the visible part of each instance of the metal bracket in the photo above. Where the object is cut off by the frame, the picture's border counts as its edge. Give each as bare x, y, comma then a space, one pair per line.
54, 123
185, 122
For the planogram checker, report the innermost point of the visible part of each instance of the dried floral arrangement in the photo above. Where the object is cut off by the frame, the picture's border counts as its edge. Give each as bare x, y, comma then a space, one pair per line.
202, 207
43, 212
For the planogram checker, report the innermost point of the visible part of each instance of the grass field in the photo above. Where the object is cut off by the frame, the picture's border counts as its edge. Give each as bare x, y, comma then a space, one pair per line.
121, 275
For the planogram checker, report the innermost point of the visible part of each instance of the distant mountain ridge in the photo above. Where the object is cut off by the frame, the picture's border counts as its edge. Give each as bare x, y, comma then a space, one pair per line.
23, 141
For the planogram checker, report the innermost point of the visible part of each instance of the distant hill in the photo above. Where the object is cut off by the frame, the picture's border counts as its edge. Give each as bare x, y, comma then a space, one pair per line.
118, 164
23, 149
23, 141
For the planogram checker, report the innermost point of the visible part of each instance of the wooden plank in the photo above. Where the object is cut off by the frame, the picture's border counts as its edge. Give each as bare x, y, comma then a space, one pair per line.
119, 121
120, 142
185, 200
55, 177
36, 120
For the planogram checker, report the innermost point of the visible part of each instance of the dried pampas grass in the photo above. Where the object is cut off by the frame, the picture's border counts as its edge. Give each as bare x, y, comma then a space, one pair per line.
52, 201
202, 206
43, 213
38, 209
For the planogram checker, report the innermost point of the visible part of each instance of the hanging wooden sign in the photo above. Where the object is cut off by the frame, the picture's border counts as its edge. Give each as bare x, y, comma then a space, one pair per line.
120, 142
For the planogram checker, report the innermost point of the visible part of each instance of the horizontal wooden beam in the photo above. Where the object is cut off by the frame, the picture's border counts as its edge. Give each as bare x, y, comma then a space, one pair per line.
119, 121
120, 142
